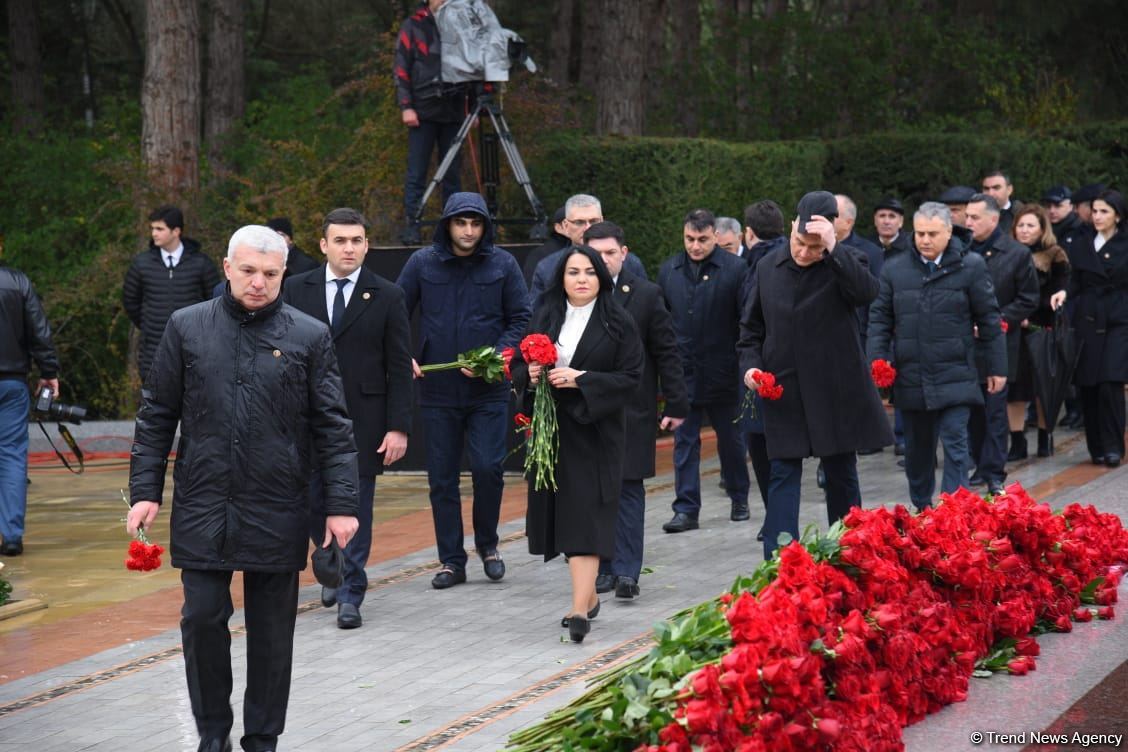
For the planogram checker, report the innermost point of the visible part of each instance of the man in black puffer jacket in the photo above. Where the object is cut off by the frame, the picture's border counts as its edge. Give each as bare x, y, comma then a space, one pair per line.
172, 274
930, 299
255, 387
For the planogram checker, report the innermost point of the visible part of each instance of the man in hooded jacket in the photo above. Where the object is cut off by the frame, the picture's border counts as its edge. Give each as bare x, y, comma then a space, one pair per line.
469, 294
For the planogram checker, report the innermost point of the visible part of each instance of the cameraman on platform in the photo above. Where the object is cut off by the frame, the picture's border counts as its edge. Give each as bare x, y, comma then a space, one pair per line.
432, 113
24, 335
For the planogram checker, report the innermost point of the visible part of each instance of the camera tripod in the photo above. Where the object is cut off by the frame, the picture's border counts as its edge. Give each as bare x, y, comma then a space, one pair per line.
491, 168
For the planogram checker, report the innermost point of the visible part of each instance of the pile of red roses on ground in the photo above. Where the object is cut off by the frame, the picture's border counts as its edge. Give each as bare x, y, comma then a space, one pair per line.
841, 654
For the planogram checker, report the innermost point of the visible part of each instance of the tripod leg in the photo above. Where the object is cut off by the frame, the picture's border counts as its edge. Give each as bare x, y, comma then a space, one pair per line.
509, 145
448, 160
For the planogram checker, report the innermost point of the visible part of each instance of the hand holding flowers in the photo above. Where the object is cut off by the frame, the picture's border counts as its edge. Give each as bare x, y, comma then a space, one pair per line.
543, 442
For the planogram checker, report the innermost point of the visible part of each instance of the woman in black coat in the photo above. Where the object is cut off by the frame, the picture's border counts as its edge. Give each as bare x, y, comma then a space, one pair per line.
1033, 229
598, 367
1099, 289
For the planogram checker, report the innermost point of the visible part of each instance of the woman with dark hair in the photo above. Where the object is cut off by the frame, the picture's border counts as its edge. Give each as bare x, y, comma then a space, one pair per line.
1033, 229
599, 364
1099, 288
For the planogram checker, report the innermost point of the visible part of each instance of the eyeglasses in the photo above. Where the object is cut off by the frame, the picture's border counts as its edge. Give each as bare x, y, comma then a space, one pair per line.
584, 222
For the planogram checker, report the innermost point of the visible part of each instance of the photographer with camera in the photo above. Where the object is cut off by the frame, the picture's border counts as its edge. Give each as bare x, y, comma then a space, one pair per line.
431, 112
24, 336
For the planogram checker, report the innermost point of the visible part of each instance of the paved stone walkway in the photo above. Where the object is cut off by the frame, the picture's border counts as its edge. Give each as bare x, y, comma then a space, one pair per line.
463, 668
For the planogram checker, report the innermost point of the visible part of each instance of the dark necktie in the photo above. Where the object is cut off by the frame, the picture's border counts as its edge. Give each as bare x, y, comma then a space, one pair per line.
338, 305
932, 268
170, 266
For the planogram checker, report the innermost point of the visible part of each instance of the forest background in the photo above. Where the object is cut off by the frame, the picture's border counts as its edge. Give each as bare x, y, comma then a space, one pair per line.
238, 110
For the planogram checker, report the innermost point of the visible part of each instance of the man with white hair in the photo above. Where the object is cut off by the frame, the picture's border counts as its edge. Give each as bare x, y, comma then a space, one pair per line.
729, 233
255, 388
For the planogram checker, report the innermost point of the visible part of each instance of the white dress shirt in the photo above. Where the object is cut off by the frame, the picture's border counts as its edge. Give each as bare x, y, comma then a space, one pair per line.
174, 255
331, 288
575, 321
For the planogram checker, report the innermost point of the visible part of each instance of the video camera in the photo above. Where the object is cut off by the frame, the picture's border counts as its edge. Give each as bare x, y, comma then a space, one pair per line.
475, 46
46, 407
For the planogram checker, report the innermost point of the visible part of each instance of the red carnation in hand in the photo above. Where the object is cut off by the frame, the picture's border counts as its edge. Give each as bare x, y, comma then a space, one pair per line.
768, 389
538, 348
506, 356
144, 557
883, 373
1004, 326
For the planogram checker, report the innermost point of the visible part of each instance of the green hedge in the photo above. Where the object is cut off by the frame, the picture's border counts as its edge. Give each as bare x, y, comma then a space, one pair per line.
649, 184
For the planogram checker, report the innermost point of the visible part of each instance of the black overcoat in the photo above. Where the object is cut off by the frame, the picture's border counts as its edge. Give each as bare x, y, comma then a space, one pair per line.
643, 300
260, 404
1098, 288
927, 320
800, 325
706, 310
579, 517
1016, 290
373, 347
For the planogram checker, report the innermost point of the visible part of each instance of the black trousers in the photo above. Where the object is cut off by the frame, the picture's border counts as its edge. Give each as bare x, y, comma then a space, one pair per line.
1103, 408
271, 607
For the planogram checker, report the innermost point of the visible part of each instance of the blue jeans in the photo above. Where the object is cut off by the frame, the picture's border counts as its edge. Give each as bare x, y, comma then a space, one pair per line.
923, 429
629, 533
421, 141
15, 401
355, 583
483, 427
687, 457
987, 432
842, 492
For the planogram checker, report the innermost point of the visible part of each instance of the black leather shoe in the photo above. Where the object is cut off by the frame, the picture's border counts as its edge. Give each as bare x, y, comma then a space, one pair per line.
493, 565
348, 616
760, 536
1018, 450
626, 588
901, 462
328, 597
820, 476
578, 627
680, 522
214, 745
976, 480
12, 547
590, 614
448, 576
739, 511
899, 450
605, 583
1112, 460
1045, 443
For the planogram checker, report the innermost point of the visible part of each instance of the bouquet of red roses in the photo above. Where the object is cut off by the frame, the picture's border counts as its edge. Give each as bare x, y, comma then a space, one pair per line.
766, 387
543, 441
144, 555
883, 374
485, 362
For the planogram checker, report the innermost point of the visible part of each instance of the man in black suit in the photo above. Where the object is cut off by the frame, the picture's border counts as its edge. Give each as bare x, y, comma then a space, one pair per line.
644, 301
371, 337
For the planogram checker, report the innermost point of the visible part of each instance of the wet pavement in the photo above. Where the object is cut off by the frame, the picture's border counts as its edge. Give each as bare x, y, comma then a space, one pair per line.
100, 667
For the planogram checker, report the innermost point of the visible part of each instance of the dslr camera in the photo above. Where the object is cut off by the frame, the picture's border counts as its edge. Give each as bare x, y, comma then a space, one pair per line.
46, 407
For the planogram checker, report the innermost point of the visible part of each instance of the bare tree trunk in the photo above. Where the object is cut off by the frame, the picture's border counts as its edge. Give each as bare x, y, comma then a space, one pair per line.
618, 95
561, 50
226, 90
590, 58
687, 51
170, 95
654, 21
28, 100
744, 66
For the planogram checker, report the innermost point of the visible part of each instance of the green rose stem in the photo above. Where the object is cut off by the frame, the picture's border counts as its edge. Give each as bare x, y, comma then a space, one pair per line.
141, 536
485, 362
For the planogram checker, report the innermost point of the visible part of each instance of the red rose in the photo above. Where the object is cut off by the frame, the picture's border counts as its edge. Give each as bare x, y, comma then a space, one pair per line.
521, 420
506, 356
1017, 667
1082, 614
538, 348
1105, 612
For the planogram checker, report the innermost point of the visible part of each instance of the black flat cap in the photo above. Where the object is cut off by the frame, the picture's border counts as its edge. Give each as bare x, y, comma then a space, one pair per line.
281, 224
957, 194
891, 204
1087, 192
329, 565
1055, 194
820, 203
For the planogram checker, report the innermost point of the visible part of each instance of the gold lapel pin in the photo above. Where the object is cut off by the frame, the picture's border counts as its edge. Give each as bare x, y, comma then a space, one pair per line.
278, 353
706, 277
1107, 256
366, 295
